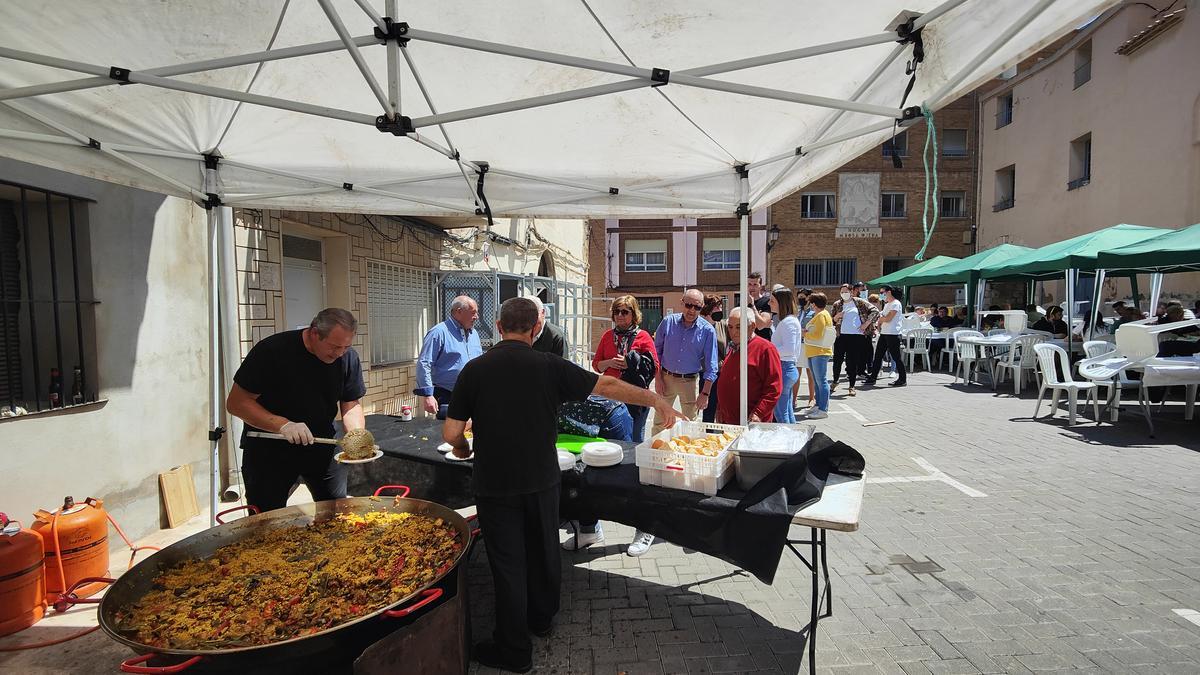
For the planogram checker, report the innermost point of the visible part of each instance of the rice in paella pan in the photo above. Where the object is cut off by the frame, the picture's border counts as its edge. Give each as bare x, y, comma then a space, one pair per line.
290, 582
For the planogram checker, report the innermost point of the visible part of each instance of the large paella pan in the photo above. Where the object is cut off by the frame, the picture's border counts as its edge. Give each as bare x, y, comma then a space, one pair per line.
155, 608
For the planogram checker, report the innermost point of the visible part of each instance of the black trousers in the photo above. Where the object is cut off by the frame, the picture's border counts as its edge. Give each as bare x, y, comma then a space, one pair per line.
270, 470
442, 396
889, 344
521, 536
858, 356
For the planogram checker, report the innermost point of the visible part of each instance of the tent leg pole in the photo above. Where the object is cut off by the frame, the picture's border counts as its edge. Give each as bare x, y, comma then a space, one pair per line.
1097, 296
1156, 280
230, 339
214, 368
748, 305
1072, 276
1133, 291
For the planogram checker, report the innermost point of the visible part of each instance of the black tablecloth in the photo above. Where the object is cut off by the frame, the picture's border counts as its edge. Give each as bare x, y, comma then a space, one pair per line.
749, 531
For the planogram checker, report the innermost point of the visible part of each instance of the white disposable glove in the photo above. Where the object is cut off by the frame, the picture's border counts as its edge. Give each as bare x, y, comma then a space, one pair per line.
297, 433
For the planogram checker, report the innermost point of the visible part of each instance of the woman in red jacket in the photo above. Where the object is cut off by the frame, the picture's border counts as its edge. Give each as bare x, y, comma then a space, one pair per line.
627, 352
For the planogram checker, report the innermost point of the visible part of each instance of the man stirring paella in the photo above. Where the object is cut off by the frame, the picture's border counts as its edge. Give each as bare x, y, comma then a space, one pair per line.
294, 383
511, 395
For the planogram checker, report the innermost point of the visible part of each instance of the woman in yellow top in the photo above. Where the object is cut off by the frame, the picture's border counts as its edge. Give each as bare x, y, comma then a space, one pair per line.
818, 347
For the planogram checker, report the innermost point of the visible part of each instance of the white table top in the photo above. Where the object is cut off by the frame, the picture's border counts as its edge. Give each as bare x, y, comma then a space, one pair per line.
1162, 371
838, 509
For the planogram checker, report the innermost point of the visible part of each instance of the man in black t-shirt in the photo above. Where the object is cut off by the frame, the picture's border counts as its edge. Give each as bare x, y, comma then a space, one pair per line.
511, 396
295, 383
761, 300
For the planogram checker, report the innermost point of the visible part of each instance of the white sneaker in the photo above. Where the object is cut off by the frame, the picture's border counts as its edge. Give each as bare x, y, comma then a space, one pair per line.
583, 540
817, 414
641, 544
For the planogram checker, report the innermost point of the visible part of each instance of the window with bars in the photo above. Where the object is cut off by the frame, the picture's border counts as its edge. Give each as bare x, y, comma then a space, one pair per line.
954, 142
900, 141
817, 205
721, 253
400, 310
1081, 162
891, 265
1083, 64
1004, 110
652, 313
47, 324
891, 205
827, 272
1006, 186
953, 205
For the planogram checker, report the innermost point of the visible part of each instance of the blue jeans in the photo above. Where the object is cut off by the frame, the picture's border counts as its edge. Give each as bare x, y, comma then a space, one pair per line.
619, 425
818, 364
784, 413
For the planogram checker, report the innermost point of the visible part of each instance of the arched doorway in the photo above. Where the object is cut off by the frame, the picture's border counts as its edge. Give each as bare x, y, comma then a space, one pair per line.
545, 269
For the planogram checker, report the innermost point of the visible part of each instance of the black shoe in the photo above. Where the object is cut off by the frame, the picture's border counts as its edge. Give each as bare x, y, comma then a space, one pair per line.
869, 382
898, 383
542, 631
491, 655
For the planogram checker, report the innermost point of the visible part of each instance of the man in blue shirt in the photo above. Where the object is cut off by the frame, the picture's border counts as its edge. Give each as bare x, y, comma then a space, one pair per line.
687, 354
447, 347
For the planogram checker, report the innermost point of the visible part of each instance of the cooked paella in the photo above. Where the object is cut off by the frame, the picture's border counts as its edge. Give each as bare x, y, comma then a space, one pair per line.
291, 582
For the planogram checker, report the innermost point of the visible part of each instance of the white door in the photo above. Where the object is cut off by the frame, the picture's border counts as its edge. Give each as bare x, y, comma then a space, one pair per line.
303, 280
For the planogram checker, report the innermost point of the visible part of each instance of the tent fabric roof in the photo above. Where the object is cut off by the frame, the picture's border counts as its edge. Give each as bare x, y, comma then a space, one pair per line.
900, 277
1175, 251
961, 271
1078, 253
296, 126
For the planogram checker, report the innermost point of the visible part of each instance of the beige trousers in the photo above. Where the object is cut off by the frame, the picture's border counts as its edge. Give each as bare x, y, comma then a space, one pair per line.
684, 390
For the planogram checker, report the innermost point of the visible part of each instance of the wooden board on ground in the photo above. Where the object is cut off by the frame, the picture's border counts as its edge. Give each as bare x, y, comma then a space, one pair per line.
178, 494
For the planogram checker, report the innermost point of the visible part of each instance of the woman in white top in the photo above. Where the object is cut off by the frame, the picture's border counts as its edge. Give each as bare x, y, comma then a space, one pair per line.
786, 339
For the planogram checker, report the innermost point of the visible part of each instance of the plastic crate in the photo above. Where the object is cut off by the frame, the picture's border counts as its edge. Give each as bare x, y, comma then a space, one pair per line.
699, 473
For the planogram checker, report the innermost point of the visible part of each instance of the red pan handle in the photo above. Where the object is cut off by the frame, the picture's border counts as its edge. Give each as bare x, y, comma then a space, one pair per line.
430, 594
249, 507
474, 530
131, 665
402, 495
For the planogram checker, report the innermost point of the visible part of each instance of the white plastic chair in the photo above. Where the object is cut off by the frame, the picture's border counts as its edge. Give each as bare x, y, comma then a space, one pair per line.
1094, 349
1021, 358
1046, 355
967, 354
947, 354
917, 344
997, 331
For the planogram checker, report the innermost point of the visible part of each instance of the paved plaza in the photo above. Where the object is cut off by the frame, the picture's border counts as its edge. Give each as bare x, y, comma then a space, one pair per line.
989, 543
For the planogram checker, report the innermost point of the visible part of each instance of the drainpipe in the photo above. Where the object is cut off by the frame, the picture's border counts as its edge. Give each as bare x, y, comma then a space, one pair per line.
231, 352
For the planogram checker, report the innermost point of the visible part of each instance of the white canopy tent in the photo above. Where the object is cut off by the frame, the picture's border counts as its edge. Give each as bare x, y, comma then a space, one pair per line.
594, 108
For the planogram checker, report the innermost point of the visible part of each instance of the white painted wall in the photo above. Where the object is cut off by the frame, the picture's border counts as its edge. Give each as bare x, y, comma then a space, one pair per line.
564, 239
149, 274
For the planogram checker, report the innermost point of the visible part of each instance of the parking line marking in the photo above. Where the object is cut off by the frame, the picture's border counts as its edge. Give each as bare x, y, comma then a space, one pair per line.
1189, 615
941, 475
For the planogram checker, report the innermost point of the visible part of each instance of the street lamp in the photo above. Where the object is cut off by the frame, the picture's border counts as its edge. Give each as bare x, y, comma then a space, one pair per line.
772, 237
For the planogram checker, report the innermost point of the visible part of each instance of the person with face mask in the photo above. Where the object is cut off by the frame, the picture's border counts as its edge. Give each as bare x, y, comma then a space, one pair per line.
854, 319
806, 313
889, 337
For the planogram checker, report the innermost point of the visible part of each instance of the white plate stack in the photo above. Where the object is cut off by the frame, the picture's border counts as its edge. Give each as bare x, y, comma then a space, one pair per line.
566, 460
602, 453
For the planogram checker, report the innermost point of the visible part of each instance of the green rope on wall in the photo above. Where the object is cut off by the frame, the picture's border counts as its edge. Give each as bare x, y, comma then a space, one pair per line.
930, 142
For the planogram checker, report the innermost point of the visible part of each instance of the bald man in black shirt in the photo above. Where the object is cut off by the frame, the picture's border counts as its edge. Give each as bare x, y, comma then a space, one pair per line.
511, 395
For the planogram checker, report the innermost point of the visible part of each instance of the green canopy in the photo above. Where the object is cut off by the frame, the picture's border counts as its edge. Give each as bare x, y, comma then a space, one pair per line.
967, 270
899, 277
1175, 251
1077, 253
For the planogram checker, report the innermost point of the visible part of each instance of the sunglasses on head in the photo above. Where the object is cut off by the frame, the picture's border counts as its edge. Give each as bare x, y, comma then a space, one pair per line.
691, 306
622, 312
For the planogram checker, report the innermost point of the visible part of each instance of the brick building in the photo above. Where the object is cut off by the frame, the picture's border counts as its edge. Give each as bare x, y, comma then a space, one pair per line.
864, 220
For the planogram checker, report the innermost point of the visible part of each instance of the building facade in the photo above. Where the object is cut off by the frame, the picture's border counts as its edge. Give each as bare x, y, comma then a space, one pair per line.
1105, 130
865, 220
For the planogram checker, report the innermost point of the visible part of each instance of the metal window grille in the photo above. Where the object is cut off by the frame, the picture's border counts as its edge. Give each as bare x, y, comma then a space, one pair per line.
891, 265
646, 262
954, 142
954, 205
817, 206
892, 205
1004, 110
831, 272
901, 143
400, 310
1083, 64
652, 312
46, 310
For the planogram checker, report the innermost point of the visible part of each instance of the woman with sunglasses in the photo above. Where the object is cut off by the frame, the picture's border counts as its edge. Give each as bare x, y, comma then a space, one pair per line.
627, 352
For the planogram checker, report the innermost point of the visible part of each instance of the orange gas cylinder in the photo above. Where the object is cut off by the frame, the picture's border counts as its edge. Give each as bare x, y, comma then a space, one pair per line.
80, 531
22, 577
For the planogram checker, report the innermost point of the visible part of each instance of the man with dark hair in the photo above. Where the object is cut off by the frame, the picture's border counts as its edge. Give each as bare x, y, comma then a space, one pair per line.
760, 299
854, 319
889, 337
1053, 323
511, 396
294, 383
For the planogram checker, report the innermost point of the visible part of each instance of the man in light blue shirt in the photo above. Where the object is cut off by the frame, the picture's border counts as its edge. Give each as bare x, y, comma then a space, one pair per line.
687, 356
447, 347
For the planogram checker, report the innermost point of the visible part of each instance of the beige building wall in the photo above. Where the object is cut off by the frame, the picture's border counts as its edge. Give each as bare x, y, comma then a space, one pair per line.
348, 243
1143, 113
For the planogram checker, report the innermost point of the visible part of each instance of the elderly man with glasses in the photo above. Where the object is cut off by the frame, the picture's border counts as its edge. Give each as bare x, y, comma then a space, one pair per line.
687, 353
